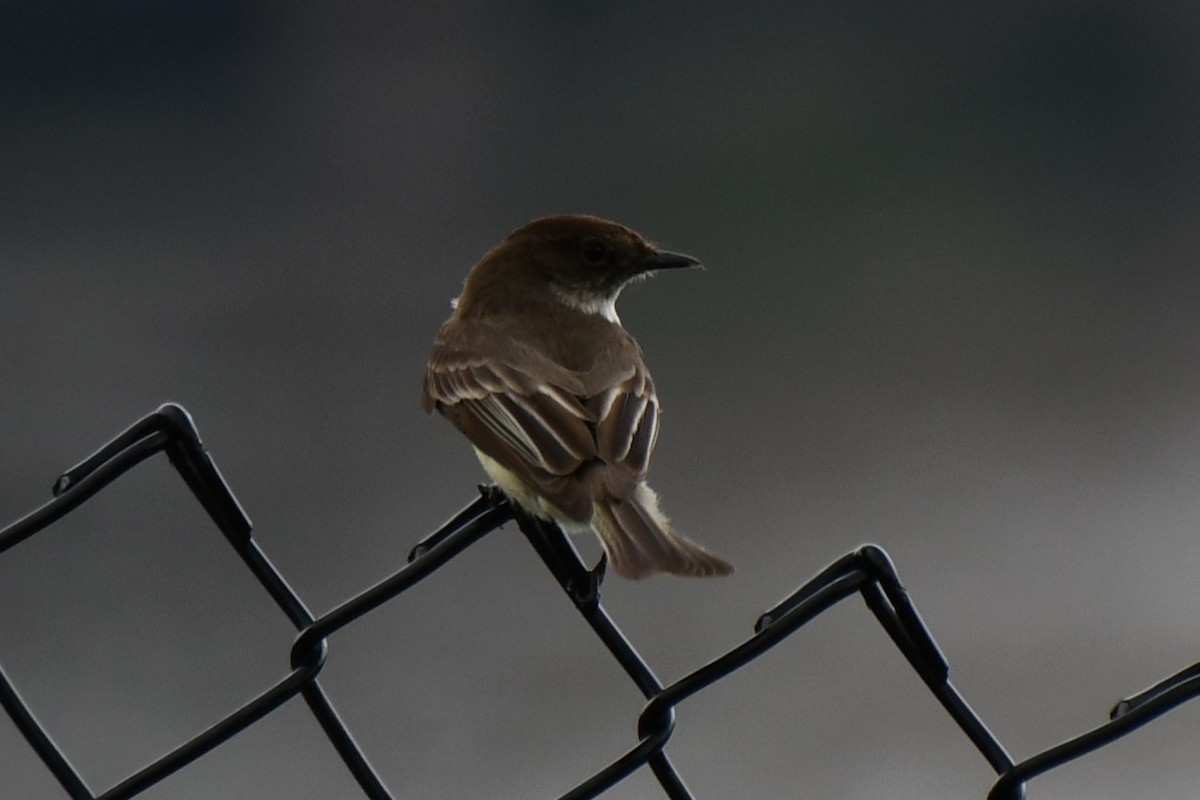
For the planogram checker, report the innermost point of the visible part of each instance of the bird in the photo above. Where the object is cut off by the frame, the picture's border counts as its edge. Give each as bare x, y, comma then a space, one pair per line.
536, 370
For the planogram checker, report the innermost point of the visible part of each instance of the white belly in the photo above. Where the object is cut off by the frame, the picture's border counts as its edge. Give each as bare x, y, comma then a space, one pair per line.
522, 495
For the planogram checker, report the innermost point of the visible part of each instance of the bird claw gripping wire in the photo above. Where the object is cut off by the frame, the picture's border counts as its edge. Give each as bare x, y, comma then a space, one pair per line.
562, 559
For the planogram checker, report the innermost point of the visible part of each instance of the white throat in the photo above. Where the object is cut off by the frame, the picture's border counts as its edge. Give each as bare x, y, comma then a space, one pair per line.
605, 307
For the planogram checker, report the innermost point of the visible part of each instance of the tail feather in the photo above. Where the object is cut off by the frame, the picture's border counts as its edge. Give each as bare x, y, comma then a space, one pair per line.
640, 540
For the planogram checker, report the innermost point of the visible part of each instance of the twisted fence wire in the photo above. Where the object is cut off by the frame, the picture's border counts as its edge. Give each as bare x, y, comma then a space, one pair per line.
867, 571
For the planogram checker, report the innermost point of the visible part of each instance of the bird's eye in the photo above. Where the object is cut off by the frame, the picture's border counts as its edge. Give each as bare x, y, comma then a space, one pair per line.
594, 252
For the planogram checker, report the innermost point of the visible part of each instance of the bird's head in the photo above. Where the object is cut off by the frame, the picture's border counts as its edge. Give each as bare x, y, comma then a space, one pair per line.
583, 261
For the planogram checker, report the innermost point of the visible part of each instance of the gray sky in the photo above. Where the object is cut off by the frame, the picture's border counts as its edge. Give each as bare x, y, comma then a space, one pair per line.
950, 308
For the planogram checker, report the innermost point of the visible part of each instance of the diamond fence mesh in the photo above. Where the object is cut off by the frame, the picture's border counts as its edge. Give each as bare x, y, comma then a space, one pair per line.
867, 572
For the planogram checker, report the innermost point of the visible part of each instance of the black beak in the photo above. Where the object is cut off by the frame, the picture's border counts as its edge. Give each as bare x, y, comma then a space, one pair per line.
665, 259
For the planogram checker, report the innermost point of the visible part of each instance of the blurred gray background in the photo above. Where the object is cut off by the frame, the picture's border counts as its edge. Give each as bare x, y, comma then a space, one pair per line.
951, 308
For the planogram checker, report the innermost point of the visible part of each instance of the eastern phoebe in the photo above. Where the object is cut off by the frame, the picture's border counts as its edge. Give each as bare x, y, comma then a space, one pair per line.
536, 370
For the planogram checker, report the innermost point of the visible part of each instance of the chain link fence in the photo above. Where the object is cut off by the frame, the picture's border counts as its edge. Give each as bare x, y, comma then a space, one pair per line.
867, 572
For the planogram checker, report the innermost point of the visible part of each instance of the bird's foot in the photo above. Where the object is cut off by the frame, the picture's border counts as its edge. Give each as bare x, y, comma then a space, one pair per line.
492, 493
587, 591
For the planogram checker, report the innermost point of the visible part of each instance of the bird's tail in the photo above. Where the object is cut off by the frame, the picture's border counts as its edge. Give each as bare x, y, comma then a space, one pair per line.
640, 541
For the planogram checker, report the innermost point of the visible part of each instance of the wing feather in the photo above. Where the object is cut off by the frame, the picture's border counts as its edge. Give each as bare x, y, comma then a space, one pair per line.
628, 426
538, 430
547, 430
